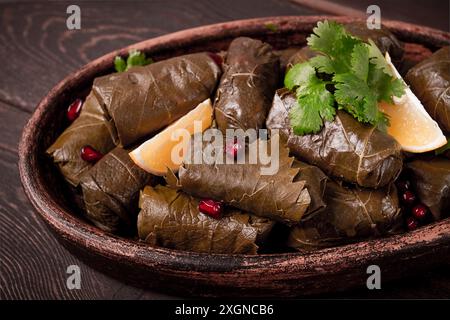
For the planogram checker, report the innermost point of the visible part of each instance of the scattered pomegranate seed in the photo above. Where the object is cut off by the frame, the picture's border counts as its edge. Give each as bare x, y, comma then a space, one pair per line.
412, 223
217, 59
211, 208
408, 197
73, 111
403, 185
233, 148
89, 154
419, 211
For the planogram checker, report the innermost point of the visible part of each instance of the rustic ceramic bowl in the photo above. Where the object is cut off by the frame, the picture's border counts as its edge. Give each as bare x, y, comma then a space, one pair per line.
178, 272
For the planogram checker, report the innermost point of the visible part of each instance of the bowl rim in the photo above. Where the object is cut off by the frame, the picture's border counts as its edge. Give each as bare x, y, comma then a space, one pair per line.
73, 229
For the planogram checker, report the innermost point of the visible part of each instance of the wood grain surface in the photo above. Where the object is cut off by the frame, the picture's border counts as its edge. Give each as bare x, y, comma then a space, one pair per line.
37, 51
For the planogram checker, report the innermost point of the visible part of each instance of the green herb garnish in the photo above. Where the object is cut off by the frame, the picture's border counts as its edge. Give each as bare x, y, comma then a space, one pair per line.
135, 58
271, 27
348, 74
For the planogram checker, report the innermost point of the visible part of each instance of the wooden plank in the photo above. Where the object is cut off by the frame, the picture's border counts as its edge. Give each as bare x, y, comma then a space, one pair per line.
37, 50
431, 13
12, 121
33, 264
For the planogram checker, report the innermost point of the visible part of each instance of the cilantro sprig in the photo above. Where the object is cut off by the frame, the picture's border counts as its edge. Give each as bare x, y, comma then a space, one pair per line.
360, 78
135, 58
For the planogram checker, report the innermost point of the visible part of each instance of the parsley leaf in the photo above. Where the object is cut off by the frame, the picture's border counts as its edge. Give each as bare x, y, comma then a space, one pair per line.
361, 78
315, 102
135, 58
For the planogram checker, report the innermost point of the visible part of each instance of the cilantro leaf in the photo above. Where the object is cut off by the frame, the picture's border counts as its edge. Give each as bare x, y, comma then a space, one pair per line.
314, 102
322, 64
360, 61
135, 58
360, 74
331, 39
355, 96
119, 64
377, 58
271, 27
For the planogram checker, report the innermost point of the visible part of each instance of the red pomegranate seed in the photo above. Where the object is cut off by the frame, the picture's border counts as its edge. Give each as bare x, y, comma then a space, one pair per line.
412, 223
89, 154
211, 208
217, 59
233, 148
408, 197
419, 211
74, 110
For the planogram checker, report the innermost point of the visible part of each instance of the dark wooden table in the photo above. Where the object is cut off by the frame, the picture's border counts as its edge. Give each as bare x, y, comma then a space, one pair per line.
37, 51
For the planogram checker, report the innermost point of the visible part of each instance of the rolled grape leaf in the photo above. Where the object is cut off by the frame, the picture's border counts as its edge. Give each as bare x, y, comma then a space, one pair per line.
302, 55
145, 99
315, 182
281, 196
285, 55
171, 219
90, 128
251, 75
383, 38
345, 148
430, 82
351, 214
431, 181
111, 190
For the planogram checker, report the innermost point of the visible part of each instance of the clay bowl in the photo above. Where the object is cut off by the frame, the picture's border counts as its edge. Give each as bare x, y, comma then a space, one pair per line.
193, 274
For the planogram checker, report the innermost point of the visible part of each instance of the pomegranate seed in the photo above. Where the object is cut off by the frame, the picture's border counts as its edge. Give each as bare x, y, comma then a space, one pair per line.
233, 148
217, 59
412, 223
403, 185
74, 110
419, 211
211, 208
408, 197
89, 154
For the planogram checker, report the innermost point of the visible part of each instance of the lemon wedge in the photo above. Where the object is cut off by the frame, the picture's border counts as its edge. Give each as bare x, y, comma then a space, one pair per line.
156, 154
410, 124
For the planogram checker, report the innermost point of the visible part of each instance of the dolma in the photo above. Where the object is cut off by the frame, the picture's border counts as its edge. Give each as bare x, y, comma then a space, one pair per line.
283, 196
431, 181
351, 214
251, 75
90, 128
344, 148
302, 55
145, 99
430, 82
111, 190
171, 219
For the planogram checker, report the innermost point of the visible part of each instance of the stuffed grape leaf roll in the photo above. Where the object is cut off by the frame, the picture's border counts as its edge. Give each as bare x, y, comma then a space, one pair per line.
170, 218
430, 82
90, 128
344, 148
431, 180
251, 75
111, 190
295, 190
351, 214
145, 99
